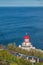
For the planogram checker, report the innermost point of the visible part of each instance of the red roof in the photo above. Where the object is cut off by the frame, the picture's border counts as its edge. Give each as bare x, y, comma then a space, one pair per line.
26, 37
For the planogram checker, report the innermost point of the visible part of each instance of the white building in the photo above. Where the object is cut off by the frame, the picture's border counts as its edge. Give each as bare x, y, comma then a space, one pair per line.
26, 43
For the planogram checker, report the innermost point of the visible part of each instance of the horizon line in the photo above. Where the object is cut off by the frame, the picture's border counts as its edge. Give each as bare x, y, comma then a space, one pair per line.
21, 6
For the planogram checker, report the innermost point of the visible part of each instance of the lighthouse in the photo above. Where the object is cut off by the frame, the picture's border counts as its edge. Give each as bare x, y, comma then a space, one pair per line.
26, 43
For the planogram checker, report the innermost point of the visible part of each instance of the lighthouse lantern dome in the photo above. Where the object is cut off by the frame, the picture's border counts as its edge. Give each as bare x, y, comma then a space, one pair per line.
26, 38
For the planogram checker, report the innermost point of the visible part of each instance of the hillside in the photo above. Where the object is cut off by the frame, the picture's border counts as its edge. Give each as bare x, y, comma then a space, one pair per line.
8, 59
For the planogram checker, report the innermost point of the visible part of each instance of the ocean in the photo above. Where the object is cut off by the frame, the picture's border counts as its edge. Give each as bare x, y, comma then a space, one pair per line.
15, 22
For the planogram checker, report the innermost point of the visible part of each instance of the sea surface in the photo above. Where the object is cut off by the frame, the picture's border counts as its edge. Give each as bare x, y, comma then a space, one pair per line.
15, 22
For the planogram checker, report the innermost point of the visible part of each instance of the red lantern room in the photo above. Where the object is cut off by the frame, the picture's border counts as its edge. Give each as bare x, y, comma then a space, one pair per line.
26, 38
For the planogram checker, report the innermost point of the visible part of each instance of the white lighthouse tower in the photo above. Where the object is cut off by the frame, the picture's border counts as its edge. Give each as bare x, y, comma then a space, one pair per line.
26, 43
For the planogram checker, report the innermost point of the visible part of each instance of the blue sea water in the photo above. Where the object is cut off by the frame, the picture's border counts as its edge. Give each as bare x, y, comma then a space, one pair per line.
16, 21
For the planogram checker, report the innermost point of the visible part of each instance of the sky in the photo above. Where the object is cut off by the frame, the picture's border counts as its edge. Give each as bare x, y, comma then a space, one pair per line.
21, 2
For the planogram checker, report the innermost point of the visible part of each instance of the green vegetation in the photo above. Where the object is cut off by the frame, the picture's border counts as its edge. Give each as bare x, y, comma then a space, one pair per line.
30, 53
6, 58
